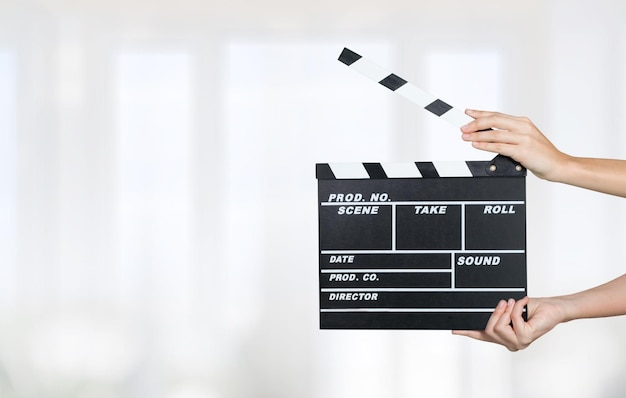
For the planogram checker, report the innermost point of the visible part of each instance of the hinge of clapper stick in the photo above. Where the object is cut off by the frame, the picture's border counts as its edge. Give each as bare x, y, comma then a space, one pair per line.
499, 166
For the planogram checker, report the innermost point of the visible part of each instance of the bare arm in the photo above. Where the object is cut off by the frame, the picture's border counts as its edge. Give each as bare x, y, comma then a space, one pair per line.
605, 300
507, 327
518, 138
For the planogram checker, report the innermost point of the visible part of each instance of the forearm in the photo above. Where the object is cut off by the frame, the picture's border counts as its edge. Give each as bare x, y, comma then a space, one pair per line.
506, 325
602, 175
520, 139
605, 300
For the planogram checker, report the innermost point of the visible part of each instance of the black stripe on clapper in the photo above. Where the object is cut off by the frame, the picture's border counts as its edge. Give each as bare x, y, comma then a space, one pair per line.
348, 57
438, 107
393, 82
478, 168
427, 169
375, 170
324, 172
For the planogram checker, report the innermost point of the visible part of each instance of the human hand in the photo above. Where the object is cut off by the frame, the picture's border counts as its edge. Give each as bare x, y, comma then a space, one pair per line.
507, 327
515, 137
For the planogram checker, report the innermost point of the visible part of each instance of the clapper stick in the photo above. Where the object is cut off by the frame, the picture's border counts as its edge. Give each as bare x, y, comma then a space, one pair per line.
397, 84
414, 94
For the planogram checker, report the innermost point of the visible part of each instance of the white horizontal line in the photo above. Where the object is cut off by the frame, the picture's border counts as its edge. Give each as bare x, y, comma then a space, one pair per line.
406, 310
455, 251
383, 270
425, 289
426, 203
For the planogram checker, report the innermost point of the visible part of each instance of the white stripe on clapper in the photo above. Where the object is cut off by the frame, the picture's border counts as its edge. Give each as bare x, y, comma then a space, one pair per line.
349, 170
452, 169
401, 170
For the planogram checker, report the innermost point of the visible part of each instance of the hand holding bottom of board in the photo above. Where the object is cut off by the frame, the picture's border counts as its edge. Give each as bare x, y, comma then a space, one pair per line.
507, 327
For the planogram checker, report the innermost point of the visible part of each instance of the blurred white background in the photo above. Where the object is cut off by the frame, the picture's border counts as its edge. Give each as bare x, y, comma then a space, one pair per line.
158, 221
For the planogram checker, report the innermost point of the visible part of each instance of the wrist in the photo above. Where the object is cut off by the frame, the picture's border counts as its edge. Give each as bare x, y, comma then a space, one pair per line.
560, 168
568, 308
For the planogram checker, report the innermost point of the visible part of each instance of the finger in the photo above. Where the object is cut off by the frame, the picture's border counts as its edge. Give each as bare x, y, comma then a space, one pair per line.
516, 315
495, 316
501, 136
475, 113
496, 147
503, 330
478, 335
523, 331
505, 320
478, 124
475, 334
492, 121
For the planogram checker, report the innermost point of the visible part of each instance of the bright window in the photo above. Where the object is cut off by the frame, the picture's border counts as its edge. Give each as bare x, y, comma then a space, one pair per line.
153, 123
8, 178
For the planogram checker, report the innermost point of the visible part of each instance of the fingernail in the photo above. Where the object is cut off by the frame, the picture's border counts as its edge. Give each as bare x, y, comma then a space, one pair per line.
466, 136
511, 303
501, 304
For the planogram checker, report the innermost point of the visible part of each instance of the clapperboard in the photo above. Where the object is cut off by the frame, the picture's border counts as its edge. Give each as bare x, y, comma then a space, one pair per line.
419, 245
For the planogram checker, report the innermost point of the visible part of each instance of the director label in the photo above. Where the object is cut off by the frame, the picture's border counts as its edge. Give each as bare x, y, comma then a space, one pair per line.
353, 297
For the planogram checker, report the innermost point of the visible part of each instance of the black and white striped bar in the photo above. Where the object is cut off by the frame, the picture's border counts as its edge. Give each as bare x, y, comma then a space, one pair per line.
409, 91
499, 166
